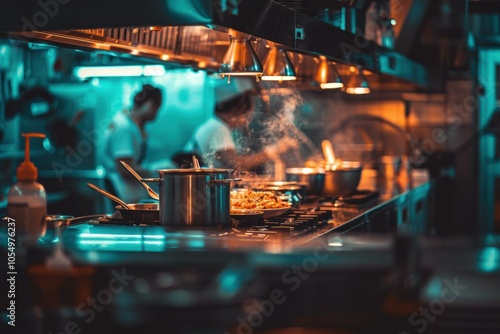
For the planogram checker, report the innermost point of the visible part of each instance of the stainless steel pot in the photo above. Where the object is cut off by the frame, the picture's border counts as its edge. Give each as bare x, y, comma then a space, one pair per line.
313, 177
343, 179
194, 197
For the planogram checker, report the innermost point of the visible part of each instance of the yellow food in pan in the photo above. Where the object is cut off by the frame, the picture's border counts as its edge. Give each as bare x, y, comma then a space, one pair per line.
260, 200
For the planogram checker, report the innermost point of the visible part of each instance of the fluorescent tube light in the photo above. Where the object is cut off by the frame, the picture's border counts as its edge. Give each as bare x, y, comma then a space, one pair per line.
119, 71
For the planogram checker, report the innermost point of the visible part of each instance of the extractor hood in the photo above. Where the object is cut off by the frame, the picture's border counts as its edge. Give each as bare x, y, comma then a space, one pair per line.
194, 32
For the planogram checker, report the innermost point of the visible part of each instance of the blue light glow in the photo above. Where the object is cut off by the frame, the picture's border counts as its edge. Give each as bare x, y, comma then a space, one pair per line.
230, 282
489, 259
108, 236
119, 71
196, 243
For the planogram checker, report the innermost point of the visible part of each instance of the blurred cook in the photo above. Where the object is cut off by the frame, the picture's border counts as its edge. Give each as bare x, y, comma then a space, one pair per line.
125, 140
213, 141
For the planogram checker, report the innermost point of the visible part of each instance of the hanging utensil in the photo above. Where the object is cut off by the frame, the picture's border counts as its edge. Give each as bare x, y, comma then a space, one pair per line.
150, 191
196, 163
327, 147
108, 195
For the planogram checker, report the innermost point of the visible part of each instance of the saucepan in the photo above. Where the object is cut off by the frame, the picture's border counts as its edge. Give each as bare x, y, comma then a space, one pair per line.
140, 213
342, 178
194, 197
313, 177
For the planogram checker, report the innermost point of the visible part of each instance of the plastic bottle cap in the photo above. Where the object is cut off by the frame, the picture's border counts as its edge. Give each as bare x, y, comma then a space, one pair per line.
27, 171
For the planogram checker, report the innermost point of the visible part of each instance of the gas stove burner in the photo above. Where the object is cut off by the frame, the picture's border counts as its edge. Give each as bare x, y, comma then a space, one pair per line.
294, 223
359, 199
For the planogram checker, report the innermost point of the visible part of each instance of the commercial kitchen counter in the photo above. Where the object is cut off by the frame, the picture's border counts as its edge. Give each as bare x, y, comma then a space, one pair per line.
402, 205
131, 278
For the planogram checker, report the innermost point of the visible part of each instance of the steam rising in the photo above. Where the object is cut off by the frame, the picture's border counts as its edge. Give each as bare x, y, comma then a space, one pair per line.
279, 121
277, 117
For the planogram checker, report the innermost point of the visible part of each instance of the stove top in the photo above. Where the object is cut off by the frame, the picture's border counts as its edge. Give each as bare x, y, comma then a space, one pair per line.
293, 223
358, 200
296, 226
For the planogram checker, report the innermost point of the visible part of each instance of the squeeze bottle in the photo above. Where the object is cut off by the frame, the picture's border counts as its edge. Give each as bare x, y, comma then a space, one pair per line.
27, 199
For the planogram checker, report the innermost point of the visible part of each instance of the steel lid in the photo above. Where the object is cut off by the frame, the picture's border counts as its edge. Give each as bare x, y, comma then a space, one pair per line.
185, 171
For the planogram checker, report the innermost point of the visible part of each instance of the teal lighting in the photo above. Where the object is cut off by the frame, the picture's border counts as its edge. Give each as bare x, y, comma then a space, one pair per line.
489, 259
84, 72
197, 243
122, 242
230, 282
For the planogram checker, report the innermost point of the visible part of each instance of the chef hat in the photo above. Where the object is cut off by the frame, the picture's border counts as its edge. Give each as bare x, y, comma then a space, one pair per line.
225, 91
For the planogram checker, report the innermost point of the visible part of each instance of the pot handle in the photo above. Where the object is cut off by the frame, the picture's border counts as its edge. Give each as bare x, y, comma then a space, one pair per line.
153, 179
222, 182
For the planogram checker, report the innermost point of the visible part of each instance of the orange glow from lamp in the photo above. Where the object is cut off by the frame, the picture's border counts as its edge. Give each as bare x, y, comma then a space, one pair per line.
278, 66
326, 75
357, 83
240, 59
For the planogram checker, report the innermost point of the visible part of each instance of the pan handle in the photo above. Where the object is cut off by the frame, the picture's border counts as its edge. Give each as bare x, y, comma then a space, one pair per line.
152, 179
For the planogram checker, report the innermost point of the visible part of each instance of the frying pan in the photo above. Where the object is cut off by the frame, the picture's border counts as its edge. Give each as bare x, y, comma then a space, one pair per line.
145, 213
141, 213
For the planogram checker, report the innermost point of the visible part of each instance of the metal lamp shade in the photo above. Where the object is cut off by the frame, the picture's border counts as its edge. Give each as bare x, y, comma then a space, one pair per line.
278, 66
240, 59
357, 84
326, 75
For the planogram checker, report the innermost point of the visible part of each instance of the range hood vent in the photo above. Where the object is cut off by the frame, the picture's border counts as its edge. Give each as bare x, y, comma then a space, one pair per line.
194, 46
194, 32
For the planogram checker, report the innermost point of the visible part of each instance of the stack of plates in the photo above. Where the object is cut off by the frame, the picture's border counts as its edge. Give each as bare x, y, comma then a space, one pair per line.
309, 7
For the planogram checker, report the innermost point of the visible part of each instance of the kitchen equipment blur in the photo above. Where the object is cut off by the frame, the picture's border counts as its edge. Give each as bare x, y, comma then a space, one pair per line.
366, 138
150, 191
194, 197
38, 102
342, 179
141, 213
108, 195
313, 177
389, 166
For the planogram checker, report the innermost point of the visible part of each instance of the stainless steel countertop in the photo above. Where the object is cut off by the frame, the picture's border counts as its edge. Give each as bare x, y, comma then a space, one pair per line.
333, 275
93, 235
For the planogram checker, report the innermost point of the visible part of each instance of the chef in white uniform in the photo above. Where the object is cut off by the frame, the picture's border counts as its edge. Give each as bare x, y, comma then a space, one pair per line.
125, 139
